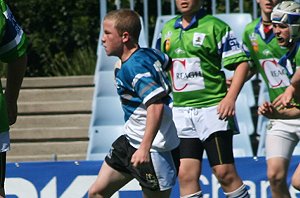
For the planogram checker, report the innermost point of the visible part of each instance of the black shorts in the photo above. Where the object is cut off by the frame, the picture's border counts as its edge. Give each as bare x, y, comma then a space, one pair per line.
167, 164
218, 147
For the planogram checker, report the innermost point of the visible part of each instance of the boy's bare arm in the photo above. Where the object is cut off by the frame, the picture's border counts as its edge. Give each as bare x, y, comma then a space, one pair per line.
154, 116
296, 78
271, 112
15, 75
291, 92
226, 107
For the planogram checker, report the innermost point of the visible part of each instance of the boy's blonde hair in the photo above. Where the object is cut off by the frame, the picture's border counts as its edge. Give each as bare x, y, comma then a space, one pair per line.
126, 20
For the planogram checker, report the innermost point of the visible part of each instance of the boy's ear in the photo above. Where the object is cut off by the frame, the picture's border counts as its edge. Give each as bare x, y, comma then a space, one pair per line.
125, 35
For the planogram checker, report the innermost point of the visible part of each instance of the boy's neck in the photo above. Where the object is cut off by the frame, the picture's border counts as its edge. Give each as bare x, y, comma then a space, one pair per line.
266, 17
128, 52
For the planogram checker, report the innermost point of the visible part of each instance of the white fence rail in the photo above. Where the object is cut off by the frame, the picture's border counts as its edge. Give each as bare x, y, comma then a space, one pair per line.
214, 3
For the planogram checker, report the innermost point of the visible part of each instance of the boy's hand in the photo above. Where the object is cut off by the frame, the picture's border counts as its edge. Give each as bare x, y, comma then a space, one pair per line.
266, 109
283, 100
226, 108
139, 157
12, 110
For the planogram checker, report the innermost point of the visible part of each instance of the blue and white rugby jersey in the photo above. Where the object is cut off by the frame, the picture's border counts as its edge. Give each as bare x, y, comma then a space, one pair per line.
140, 82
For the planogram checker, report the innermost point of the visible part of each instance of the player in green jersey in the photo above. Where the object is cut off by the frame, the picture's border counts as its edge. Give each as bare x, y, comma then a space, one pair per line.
276, 70
286, 26
203, 110
260, 44
13, 47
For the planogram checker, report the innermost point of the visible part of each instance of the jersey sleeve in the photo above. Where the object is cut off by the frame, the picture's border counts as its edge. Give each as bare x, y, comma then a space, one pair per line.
13, 41
144, 82
247, 46
231, 50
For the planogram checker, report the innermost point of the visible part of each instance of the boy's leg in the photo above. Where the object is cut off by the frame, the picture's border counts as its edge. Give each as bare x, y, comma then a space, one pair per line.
277, 168
189, 174
191, 151
4, 147
2, 173
220, 155
108, 182
278, 157
230, 181
113, 174
296, 178
161, 194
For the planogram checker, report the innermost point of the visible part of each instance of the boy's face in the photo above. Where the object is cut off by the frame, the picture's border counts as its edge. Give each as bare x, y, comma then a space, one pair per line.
111, 39
188, 7
282, 34
267, 5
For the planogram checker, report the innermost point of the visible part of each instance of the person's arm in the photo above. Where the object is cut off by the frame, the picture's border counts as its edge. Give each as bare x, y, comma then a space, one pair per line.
250, 74
226, 107
296, 79
15, 74
154, 117
289, 93
271, 112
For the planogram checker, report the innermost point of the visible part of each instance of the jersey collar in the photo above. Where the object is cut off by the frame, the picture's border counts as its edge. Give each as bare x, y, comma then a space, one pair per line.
259, 30
196, 17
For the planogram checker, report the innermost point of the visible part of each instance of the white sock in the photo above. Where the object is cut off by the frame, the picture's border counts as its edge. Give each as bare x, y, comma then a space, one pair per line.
194, 195
241, 192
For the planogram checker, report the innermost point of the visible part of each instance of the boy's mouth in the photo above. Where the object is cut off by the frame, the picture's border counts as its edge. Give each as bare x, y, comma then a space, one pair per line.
280, 39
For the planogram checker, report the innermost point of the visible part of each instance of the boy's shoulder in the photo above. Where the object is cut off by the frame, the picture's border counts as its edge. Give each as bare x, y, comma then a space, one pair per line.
171, 22
149, 53
252, 25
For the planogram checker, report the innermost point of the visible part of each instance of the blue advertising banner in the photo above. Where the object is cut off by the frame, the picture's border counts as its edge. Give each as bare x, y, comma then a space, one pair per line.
72, 179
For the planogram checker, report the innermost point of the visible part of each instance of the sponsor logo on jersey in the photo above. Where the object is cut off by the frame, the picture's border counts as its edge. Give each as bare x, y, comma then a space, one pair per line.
179, 51
167, 42
198, 39
187, 75
275, 73
254, 42
267, 53
167, 45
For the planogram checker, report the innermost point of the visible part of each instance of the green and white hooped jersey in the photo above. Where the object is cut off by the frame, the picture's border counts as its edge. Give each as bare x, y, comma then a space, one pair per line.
198, 53
265, 53
13, 44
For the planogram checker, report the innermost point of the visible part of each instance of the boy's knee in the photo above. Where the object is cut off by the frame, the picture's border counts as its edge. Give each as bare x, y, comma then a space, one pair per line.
187, 179
275, 177
92, 192
224, 176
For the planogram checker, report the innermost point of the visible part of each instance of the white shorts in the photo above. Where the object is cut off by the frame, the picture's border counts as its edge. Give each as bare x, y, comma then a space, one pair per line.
198, 122
281, 138
4, 141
